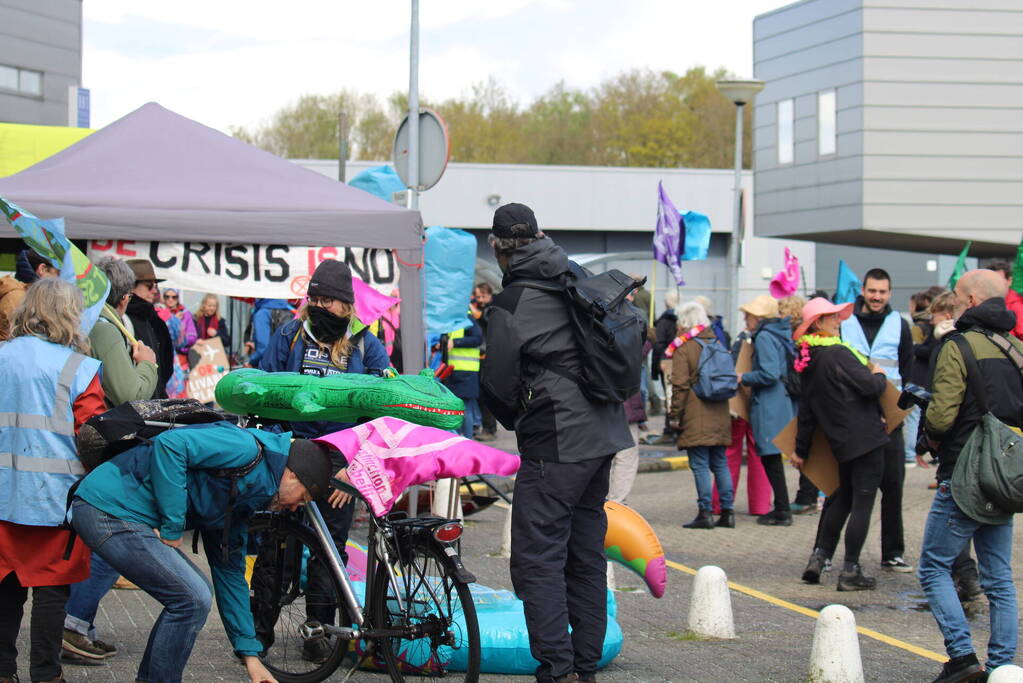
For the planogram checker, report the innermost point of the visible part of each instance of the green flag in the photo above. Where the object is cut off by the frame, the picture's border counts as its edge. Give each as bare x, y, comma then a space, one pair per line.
1017, 270
960, 267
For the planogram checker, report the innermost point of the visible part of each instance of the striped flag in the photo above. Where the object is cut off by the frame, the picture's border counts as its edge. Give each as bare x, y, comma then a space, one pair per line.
47, 239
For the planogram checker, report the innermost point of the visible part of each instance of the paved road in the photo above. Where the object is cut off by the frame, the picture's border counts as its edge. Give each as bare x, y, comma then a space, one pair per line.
773, 642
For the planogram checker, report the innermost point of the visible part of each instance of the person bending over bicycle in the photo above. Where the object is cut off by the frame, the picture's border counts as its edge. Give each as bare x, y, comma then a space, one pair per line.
133, 509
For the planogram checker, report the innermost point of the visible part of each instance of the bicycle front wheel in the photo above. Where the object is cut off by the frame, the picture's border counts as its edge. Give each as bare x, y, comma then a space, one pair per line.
291, 587
437, 612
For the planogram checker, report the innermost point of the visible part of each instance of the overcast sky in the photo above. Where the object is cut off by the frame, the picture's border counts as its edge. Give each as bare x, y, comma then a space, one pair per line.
235, 62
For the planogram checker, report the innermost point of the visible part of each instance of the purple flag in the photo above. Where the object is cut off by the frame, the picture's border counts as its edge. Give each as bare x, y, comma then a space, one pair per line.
668, 236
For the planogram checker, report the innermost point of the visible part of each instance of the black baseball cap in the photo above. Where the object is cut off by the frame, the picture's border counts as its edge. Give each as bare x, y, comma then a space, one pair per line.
514, 220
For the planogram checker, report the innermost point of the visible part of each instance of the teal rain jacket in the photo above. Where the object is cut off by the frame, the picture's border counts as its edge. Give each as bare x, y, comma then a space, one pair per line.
167, 484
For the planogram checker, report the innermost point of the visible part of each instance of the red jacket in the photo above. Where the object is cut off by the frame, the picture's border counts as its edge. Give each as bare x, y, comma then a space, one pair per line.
1014, 302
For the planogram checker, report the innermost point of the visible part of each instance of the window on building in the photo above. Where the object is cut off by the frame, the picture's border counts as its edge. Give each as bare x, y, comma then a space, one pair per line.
8, 78
827, 123
786, 131
24, 81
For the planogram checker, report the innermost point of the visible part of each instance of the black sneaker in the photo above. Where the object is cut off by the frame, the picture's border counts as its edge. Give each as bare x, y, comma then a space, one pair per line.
775, 518
897, 564
856, 581
960, 669
812, 573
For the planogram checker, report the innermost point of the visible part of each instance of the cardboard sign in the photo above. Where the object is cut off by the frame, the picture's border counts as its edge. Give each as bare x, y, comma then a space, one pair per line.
272, 271
212, 366
738, 405
821, 467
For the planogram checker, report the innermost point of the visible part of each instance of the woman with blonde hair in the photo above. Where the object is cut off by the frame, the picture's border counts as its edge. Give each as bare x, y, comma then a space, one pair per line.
326, 339
209, 323
52, 387
704, 427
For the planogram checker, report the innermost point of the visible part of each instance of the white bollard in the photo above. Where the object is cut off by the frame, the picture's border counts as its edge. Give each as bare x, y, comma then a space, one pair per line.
710, 607
505, 549
611, 576
1006, 673
835, 656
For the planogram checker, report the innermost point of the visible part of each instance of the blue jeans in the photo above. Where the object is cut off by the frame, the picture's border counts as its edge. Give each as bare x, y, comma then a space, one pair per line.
910, 427
948, 531
702, 461
165, 573
85, 596
472, 417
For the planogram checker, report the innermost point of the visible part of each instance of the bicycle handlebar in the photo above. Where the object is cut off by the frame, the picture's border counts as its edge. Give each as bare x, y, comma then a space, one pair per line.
345, 487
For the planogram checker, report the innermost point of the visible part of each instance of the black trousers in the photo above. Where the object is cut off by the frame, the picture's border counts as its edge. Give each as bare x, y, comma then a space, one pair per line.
893, 543
807, 493
558, 565
488, 419
46, 630
854, 500
339, 522
775, 470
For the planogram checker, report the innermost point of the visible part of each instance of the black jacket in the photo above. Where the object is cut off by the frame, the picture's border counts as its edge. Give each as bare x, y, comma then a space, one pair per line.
665, 330
871, 323
840, 395
953, 412
152, 332
551, 417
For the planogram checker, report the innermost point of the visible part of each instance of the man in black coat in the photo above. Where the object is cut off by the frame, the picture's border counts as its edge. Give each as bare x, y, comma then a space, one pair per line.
146, 324
567, 443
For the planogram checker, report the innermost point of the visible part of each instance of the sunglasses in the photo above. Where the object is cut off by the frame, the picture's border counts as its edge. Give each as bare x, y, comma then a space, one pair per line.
148, 284
171, 296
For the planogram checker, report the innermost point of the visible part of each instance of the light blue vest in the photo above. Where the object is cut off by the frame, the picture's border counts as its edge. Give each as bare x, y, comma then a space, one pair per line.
38, 459
885, 350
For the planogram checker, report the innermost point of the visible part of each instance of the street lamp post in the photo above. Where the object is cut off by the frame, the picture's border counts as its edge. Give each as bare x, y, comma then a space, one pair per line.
741, 92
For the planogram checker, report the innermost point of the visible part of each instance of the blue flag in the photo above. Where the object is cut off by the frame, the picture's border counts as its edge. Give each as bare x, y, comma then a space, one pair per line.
696, 242
47, 239
848, 287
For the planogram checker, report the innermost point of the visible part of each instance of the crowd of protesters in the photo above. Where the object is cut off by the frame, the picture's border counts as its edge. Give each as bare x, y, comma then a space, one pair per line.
825, 367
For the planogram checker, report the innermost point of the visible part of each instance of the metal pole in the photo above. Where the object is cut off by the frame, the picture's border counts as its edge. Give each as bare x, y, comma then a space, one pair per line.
413, 110
342, 146
733, 247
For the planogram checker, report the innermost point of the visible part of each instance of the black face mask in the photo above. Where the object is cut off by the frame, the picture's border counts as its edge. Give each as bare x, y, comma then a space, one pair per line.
326, 326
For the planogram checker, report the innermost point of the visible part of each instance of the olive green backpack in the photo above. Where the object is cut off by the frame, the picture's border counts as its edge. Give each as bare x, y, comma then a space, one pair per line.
987, 483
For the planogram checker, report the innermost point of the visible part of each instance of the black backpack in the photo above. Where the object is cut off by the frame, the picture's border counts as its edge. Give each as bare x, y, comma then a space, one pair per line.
791, 379
609, 329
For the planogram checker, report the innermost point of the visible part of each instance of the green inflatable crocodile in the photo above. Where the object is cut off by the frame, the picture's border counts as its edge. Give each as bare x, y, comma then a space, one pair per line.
340, 398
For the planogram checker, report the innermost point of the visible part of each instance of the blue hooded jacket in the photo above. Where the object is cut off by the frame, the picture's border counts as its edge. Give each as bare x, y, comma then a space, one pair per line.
167, 485
287, 349
771, 409
262, 326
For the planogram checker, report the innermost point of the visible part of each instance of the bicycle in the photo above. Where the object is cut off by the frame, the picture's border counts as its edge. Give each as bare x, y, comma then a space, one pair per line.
419, 618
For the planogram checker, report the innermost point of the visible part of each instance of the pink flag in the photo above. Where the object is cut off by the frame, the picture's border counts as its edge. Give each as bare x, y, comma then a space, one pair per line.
387, 455
369, 303
786, 282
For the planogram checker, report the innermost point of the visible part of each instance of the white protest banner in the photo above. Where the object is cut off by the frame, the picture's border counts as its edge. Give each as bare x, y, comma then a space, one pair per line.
211, 367
271, 271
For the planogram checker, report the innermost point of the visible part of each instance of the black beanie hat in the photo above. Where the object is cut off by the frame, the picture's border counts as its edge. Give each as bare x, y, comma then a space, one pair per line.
514, 220
310, 461
332, 278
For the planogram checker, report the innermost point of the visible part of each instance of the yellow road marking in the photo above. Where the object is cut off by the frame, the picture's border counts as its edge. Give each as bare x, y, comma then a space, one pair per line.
813, 614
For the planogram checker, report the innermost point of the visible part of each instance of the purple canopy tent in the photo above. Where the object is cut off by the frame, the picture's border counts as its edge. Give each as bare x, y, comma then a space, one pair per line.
155, 175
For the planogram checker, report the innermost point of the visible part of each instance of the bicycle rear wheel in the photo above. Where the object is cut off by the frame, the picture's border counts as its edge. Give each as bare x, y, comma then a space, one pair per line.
288, 591
437, 606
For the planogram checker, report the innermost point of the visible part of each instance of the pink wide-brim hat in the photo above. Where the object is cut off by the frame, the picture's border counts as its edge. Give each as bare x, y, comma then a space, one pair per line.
817, 307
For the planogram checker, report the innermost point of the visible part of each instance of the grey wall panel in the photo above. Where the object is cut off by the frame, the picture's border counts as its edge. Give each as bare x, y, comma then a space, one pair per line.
43, 29
800, 14
994, 223
944, 94
948, 118
940, 45
810, 35
936, 70
834, 52
940, 192
935, 20
21, 52
812, 80
990, 5
831, 170
62, 10
810, 221
944, 143
893, 167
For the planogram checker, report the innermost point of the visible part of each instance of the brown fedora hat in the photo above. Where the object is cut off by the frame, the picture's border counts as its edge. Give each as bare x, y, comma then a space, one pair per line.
143, 269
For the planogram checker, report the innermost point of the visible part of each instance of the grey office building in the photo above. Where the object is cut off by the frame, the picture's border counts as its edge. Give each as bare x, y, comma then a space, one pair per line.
40, 56
891, 124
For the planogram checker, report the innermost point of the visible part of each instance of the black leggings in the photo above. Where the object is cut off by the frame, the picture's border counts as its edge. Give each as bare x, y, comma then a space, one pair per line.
45, 631
854, 499
775, 470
